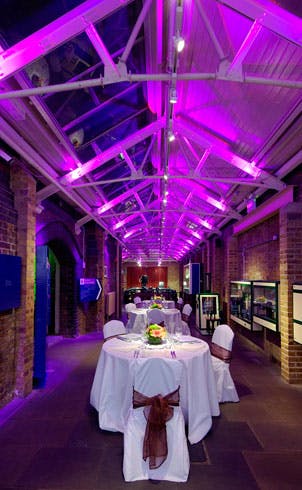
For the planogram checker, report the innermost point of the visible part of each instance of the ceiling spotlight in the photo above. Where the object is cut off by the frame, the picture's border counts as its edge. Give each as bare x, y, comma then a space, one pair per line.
173, 96
171, 136
180, 44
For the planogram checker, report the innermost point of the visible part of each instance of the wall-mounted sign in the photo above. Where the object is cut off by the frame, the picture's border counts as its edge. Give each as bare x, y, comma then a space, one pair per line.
90, 289
10, 281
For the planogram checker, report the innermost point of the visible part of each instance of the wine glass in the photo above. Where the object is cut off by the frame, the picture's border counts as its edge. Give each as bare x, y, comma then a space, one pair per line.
178, 331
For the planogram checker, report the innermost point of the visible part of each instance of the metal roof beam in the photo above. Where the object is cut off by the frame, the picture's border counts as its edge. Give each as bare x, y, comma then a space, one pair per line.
135, 30
270, 16
15, 141
56, 33
235, 66
211, 32
101, 49
121, 198
112, 152
220, 149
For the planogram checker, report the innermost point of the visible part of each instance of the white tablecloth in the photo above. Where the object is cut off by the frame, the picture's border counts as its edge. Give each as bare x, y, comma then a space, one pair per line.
111, 393
138, 319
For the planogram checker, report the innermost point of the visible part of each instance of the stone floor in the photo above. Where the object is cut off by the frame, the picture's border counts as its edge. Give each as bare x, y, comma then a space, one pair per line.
51, 439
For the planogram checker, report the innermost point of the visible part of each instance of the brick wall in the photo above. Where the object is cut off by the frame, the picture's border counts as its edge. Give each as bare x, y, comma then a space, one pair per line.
24, 188
95, 311
254, 255
8, 245
258, 250
290, 272
173, 276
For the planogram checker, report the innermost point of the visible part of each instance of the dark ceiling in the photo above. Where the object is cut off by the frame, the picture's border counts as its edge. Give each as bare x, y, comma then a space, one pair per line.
93, 92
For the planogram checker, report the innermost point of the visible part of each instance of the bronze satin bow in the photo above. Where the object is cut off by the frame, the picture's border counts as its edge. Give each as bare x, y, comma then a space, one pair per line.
220, 352
157, 411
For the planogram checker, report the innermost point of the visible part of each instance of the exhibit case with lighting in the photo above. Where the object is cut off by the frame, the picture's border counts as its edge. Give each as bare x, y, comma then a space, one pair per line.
265, 305
207, 311
241, 303
297, 312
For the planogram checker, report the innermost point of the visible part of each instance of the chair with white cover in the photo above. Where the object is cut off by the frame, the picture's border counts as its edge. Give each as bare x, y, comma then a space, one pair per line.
185, 316
154, 377
129, 307
155, 315
113, 328
221, 353
179, 303
137, 299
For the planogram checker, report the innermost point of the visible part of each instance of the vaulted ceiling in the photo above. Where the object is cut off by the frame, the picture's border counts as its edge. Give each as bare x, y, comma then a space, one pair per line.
161, 148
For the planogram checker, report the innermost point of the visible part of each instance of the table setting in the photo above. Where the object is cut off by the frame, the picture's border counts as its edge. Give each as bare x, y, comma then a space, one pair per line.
112, 388
138, 318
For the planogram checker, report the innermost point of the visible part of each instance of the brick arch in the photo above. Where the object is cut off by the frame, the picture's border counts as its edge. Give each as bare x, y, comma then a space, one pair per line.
57, 231
63, 245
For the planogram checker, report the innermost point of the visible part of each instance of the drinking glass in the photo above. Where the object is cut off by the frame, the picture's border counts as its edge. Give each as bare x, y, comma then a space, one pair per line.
178, 331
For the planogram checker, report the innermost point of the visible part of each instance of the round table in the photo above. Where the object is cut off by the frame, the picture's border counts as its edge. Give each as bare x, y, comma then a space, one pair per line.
138, 320
112, 389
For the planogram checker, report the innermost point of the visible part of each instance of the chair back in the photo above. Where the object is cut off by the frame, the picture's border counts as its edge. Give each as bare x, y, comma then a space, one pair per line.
153, 376
129, 307
187, 309
223, 335
113, 327
136, 300
179, 303
155, 316
140, 305
186, 312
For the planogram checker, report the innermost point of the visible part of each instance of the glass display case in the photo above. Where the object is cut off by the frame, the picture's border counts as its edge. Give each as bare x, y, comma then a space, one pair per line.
241, 303
297, 312
265, 304
207, 311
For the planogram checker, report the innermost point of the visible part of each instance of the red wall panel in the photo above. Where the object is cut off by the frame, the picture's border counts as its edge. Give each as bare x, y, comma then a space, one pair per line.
155, 275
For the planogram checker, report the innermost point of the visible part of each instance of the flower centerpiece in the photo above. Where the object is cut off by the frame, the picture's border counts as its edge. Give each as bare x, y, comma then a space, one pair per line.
155, 333
156, 305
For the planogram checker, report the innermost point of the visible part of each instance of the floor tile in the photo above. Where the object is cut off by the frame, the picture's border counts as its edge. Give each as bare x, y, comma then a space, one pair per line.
276, 471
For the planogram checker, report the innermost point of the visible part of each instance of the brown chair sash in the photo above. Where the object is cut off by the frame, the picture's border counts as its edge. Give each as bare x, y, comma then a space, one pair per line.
157, 411
220, 352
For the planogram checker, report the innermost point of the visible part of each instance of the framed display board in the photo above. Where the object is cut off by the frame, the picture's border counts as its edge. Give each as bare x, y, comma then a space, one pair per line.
297, 312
